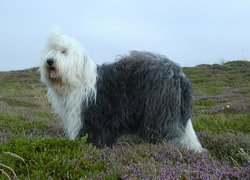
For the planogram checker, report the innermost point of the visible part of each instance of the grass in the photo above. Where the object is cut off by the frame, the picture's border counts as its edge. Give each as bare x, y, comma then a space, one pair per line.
222, 122
53, 157
33, 144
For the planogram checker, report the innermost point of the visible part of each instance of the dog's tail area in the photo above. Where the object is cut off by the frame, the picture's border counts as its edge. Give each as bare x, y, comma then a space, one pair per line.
189, 138
186, 99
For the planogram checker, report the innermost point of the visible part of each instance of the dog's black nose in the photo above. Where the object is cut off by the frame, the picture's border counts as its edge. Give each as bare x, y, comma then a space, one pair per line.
50, 61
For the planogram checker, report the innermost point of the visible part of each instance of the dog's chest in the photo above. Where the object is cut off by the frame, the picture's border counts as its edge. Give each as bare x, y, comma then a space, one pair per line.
68, 109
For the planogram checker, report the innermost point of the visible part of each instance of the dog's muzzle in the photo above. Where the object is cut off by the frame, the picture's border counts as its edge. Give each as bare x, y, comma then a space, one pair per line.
51, 68
50, 62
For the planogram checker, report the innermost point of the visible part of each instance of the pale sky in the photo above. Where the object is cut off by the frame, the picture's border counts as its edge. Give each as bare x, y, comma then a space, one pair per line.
190, 32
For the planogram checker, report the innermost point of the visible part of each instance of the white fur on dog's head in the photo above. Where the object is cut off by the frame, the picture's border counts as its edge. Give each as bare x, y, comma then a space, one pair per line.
70, 79
72, 66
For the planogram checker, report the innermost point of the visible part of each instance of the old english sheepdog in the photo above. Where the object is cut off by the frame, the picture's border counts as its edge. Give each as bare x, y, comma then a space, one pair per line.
141, 94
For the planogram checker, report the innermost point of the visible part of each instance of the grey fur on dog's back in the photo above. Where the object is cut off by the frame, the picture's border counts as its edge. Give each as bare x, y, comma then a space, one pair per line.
143, 94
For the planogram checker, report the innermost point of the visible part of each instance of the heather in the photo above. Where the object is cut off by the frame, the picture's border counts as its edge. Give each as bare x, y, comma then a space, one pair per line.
33, 144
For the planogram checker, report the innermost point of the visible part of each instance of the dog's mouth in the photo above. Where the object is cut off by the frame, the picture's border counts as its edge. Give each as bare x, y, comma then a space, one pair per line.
52, 73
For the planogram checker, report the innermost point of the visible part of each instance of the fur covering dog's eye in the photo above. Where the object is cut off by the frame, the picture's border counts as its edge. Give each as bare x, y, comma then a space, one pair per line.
64, 51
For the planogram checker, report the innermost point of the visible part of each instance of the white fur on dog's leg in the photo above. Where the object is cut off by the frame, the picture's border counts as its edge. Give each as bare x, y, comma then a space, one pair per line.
190, 140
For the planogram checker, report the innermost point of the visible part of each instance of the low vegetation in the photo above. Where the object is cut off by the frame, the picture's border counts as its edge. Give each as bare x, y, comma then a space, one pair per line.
33, 143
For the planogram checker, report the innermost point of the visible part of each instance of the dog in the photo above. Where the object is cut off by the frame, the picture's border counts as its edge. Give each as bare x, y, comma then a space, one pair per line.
143, 94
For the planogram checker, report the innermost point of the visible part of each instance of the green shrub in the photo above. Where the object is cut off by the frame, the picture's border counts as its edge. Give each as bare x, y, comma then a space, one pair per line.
54, 157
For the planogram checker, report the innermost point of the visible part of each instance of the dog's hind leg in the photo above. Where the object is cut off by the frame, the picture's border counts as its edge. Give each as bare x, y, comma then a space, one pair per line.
189, 139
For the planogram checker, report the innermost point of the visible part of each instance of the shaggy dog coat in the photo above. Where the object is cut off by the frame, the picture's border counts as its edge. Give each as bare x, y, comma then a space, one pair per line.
141, 94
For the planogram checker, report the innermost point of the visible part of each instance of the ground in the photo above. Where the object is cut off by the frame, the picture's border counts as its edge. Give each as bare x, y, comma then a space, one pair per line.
33, 144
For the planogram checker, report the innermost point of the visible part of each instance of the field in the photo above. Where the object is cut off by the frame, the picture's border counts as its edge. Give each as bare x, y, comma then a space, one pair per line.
33, 144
